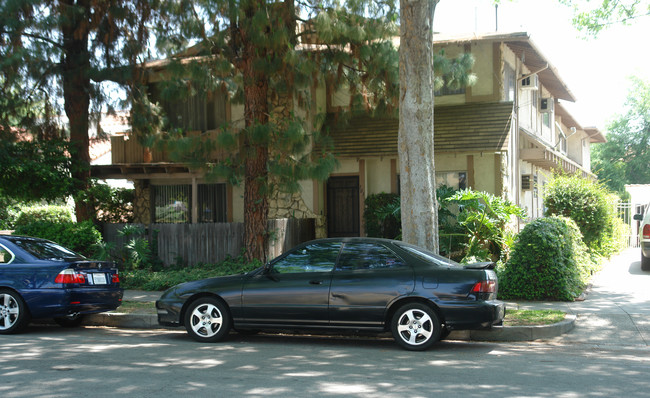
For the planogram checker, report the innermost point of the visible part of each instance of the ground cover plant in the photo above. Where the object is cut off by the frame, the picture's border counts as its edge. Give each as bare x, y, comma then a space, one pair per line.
146, 279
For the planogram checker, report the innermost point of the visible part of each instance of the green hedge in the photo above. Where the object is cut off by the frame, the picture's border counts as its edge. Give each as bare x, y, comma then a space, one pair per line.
549, 261
591, 206
80, 237
50, 213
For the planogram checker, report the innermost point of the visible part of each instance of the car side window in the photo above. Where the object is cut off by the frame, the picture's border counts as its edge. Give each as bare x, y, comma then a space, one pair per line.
319, 257
5, 255
367, 256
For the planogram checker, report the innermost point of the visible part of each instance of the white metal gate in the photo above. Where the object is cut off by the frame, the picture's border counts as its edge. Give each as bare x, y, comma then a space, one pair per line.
626, 212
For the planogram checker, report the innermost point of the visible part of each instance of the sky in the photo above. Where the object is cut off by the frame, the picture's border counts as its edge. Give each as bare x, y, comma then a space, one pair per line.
596, 70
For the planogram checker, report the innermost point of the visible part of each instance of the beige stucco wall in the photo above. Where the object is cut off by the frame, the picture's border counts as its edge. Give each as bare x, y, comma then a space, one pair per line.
483, 68
450, 162
485, 173
238, 203
377, 176
347, 166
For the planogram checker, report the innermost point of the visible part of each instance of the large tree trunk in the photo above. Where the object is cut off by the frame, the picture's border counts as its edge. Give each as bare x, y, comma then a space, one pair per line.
417, 170
76, 94
256, 203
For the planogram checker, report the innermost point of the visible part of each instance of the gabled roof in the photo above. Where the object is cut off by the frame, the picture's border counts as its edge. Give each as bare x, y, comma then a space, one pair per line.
525, 50
595, 135
462, 128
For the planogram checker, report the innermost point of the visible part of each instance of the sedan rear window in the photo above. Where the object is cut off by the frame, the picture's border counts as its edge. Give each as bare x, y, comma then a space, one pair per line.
428, 256
357, 256
45, 250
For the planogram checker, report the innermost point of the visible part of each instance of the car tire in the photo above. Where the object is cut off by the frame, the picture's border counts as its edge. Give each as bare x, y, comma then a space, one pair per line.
645, 263
416, 327
207, 320
14, 315
70, 321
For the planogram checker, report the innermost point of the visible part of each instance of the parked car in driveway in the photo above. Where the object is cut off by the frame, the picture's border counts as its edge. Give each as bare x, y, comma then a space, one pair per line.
345, 284
41, 279
644, 237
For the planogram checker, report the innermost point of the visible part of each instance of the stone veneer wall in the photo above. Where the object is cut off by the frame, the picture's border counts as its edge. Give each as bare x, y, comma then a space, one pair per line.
142, 202
290, 205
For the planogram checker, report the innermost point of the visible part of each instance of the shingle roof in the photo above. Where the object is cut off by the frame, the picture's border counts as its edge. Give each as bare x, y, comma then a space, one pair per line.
463, 128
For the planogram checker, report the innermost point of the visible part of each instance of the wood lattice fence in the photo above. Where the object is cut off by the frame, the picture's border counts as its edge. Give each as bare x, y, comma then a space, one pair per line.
212, 242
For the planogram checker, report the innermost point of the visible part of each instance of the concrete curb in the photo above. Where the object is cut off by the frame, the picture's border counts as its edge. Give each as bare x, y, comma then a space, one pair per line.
497, 333
517, 333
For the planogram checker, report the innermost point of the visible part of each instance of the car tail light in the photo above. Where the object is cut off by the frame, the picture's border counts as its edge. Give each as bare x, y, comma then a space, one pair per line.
115, 278
70, 276
489, 286
646, 231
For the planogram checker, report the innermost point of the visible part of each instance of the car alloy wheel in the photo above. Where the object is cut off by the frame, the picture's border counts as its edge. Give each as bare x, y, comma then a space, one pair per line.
207, 320
415, 327
13, 312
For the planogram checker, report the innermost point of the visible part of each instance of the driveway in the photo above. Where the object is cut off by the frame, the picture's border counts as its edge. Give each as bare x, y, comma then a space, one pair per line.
616, 309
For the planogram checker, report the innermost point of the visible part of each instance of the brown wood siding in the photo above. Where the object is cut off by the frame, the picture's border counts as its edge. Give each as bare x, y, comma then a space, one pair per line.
462, 128
211, 243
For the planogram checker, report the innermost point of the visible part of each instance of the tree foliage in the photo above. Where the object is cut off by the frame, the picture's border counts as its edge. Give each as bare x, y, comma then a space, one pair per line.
625, 157
55, 58
270, 57
592, 16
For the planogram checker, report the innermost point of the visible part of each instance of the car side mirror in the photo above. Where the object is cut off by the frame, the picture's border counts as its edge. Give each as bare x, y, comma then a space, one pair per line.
638, 217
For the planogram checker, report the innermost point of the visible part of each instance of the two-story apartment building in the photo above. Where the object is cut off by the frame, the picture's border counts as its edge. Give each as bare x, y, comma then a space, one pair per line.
504, 135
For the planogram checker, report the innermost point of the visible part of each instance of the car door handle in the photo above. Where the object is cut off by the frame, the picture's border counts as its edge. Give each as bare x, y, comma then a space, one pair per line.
315, 282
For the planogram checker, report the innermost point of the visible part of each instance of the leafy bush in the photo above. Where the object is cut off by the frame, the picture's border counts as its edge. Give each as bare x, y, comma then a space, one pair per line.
9, 210
112, 205
382, 216
549, 261
160, 280
79, 237
590, 205
137, 253
472, 225
483, 219
50, 213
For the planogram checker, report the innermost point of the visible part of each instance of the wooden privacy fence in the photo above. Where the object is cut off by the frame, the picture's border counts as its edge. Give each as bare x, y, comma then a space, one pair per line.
208, 243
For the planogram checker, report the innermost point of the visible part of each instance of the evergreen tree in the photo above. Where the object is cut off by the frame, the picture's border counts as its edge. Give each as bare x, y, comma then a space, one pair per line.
265, 52
270, 52
55, 56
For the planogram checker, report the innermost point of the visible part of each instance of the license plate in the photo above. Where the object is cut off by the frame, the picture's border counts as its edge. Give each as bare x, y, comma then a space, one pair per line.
99, 279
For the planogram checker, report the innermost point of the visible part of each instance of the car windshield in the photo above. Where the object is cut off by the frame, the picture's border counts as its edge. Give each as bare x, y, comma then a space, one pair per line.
44, 250
428, 256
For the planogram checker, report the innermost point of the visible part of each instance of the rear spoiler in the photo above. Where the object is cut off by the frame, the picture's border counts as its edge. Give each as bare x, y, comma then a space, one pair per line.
483, 265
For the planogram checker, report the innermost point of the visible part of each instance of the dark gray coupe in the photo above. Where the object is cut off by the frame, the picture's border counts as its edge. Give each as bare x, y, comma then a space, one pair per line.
348, 284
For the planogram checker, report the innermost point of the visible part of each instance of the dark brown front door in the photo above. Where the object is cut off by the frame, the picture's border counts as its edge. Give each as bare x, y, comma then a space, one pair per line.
343, 206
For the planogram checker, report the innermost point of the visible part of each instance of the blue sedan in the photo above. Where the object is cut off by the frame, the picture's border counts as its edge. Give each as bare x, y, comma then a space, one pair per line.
41, 279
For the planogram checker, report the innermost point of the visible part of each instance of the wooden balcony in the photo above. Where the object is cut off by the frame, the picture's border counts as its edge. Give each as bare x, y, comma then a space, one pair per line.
131, 160
130, 151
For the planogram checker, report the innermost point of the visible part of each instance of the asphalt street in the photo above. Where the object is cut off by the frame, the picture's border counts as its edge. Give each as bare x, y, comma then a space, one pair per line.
606, 354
